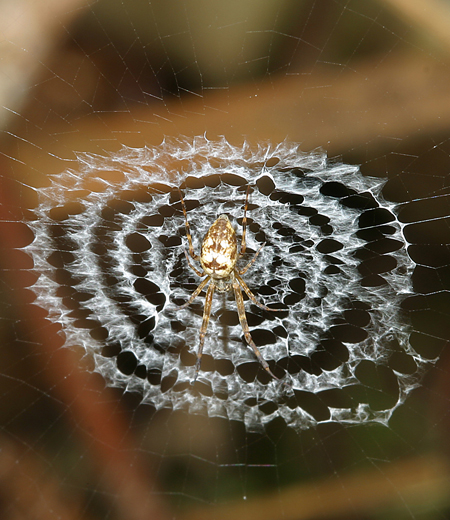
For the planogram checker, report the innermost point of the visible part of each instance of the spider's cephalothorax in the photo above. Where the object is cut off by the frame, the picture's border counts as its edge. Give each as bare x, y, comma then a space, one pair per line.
218, 258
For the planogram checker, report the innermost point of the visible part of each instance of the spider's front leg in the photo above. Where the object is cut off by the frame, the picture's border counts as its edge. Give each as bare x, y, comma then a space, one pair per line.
195, 293
252, 297
206, 315
245, 328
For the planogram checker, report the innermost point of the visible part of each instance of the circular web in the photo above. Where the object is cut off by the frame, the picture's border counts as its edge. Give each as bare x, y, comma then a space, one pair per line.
109, 248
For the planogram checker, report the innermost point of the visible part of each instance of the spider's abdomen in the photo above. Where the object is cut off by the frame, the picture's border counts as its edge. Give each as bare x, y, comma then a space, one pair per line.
219, 249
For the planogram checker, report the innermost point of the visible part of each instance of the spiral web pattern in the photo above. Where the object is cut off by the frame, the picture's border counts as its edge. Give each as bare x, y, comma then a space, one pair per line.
109, 248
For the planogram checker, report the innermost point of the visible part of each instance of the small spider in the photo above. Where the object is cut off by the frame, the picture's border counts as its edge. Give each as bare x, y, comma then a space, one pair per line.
218, 257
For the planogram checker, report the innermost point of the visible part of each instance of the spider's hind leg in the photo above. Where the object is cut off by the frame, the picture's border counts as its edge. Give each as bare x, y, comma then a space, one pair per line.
188, 228
244, 225
197, 271
252, 261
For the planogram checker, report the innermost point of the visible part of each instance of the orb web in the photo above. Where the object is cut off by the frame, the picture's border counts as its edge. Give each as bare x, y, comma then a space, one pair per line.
109, 249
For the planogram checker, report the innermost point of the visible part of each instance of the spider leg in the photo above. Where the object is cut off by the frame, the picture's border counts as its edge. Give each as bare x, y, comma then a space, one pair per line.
244, 225
195, 293
206, 314
246, 330
188, 228
252, 261
197, 272
252, 297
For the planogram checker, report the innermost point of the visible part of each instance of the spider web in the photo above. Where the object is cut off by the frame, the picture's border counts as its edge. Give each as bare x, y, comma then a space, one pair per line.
335, 115
335, 256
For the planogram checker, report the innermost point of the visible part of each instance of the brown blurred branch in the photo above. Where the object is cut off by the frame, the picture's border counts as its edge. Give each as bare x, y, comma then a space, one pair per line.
430, 16
95, 415
414, 482
29, 30
387, 100
29, 492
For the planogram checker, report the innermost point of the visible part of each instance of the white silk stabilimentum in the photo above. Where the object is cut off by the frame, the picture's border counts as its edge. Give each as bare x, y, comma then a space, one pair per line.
109, 248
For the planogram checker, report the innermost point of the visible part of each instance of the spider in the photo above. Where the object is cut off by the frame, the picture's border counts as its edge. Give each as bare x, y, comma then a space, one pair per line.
218, 257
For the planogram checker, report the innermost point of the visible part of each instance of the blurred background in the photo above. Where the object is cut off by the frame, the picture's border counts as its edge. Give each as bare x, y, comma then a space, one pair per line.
366, 81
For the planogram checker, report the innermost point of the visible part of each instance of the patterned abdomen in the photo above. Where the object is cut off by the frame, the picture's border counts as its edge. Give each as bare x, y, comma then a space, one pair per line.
219, 249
